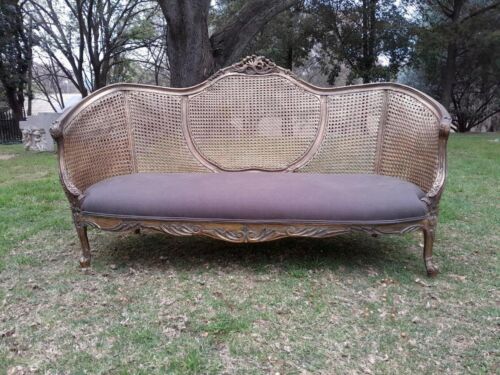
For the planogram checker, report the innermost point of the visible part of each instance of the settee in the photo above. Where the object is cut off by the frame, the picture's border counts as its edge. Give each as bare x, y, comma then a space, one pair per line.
255, 154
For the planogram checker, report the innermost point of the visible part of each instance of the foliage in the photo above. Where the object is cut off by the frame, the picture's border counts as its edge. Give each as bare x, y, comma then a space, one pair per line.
88, 39
286, 39
359, 34
150, 63
348, 32
47, 76
458, 50
454, 45
195, 51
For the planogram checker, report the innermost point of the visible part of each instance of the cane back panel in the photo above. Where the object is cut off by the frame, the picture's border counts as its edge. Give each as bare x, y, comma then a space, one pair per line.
350, 141
97, 142
264, 123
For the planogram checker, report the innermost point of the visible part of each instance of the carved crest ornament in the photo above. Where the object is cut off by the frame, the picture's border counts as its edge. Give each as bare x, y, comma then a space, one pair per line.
253, 65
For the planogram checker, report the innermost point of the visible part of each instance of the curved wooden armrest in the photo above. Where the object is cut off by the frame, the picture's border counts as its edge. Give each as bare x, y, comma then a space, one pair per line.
56, 131
434, 194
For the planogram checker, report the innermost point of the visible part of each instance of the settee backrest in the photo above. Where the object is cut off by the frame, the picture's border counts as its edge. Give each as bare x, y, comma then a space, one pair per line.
253, 116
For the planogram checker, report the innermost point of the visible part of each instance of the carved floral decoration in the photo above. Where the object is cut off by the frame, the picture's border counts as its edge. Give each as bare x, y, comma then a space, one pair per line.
249, 233
253, 65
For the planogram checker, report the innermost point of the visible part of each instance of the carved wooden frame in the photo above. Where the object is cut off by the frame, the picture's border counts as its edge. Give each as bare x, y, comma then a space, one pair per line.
257, 232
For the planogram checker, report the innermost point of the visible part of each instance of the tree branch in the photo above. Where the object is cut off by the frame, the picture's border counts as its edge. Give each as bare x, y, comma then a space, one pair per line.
229, 43
480, 11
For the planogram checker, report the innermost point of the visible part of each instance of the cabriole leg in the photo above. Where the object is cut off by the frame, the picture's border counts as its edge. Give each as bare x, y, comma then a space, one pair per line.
84, 242
429, 234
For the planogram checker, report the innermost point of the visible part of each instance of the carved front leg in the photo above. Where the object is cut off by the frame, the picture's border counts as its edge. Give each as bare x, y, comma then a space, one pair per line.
81, 230
429, 235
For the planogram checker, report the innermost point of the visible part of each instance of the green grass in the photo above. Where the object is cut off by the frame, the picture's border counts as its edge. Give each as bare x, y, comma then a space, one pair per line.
350, 304
31, 199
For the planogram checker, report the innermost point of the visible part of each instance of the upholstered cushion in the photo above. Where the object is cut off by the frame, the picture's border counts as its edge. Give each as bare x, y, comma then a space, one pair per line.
257, 197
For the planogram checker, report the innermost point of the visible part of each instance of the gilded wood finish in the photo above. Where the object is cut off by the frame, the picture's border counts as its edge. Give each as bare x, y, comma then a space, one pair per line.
242, 232
426, 169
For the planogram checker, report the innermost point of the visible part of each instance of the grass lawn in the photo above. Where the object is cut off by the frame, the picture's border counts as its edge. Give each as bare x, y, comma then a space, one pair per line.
153, 304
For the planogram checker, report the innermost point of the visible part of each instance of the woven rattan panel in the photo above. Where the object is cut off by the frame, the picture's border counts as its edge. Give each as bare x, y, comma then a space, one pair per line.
253, 122
350, 142
96, 142
410, 147
159, 142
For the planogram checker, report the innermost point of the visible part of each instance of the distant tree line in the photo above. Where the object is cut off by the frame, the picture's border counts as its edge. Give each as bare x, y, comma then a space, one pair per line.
458, 52
448, 48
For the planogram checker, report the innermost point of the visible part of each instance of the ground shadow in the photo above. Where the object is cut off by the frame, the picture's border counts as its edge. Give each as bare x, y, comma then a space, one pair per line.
351, 253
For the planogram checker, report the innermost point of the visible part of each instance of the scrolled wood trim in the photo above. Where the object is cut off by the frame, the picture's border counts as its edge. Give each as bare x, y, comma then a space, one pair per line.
244, 232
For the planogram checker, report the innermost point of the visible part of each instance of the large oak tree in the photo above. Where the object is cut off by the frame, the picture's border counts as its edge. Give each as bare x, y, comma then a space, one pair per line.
193, 53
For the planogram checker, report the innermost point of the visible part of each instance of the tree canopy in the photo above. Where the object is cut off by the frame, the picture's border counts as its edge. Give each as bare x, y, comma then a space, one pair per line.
458, 50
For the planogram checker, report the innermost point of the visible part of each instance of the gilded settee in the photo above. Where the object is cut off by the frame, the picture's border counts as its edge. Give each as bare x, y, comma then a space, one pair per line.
255, 154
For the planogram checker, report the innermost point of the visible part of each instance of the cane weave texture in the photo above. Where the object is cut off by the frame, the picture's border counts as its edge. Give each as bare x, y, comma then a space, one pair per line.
160, 144
253, 122
97, 142
410, 141
350, 142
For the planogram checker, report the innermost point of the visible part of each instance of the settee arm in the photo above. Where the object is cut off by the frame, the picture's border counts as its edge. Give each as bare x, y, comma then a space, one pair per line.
56, 131
412, 140
434, 194
93, 142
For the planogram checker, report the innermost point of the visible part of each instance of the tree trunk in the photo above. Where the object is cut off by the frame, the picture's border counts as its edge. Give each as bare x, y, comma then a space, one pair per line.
189, 50
365, 75
462, 125
101, 73
368, 36
289, 57
15, 98
82, 88
372, 59
13, 70
449, 75
192, 54
29, 91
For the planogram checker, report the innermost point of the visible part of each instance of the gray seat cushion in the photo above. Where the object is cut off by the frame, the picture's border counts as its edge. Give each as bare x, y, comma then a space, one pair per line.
257, 197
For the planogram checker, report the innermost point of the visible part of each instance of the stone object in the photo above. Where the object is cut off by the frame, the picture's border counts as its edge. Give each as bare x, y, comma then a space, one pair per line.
35, 131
